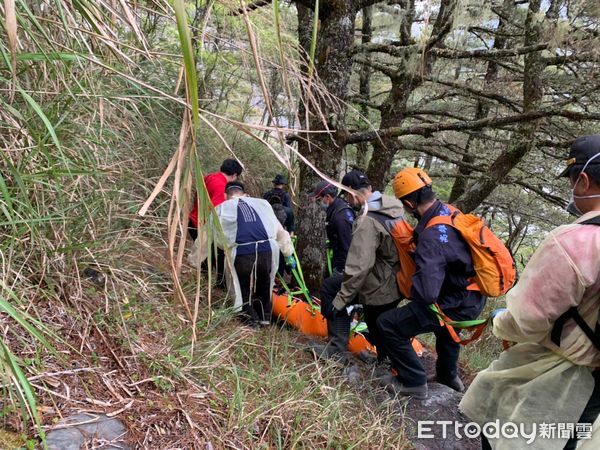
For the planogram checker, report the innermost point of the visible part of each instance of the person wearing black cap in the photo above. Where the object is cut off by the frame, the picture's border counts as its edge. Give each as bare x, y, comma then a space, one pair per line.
278, 183
552, 374
278, 196
372, 260
338, 226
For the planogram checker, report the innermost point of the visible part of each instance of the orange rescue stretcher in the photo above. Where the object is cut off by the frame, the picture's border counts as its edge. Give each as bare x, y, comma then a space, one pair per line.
309, 320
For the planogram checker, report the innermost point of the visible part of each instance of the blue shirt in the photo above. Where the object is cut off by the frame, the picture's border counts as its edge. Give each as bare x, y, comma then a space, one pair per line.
444, 264
250, 230
340, 218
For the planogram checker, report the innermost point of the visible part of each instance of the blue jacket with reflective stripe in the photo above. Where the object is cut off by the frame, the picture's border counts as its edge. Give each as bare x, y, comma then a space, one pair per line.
444, 264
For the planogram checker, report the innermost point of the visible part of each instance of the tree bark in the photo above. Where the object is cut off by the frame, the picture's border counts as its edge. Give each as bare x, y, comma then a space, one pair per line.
393, 108
364, 88
333, 66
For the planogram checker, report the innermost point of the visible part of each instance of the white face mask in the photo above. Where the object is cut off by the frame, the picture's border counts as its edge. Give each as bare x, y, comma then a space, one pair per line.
572, 207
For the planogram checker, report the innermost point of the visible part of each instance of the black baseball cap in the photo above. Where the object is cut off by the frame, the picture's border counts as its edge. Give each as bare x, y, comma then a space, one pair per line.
279, 179
582, 150
355, 179
323, 188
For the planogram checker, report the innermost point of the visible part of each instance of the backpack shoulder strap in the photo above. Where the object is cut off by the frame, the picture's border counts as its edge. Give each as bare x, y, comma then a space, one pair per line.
572, 313
385, 220
342, 208
443, 220
592, 221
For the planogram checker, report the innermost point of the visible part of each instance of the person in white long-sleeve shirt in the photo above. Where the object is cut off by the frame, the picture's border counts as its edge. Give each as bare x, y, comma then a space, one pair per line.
552, 373
253, 239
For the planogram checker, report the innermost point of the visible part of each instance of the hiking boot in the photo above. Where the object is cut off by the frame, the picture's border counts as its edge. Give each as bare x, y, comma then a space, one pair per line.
396, 388
338, 331
327, 351
455, 383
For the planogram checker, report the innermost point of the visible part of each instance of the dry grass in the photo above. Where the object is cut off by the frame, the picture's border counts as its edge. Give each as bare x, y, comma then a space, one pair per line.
129, 356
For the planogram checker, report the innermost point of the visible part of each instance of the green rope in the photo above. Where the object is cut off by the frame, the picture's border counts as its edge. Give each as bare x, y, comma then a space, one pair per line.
457, 323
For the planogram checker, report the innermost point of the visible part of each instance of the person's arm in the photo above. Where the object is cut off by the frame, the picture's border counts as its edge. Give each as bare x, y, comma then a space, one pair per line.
287, 202
284, 240
359, 262
343, 224
290, 222
431, 267
549, 286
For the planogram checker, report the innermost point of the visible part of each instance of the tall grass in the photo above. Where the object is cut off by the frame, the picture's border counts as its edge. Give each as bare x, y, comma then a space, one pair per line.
94, 104
71, 170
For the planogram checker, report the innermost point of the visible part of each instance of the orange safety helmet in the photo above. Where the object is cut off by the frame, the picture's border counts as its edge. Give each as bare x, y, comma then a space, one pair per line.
410, 180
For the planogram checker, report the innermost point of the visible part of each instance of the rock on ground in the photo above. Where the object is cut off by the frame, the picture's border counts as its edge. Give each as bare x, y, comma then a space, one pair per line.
440, 405
81, 430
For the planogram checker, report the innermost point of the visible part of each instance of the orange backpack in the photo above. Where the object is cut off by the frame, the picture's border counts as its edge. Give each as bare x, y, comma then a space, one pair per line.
494, 266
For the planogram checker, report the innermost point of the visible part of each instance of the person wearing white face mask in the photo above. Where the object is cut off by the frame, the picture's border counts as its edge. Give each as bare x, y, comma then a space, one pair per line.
582, 155
552, 373
338, 226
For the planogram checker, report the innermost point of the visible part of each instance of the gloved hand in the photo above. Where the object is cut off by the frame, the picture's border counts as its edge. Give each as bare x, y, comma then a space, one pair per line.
497, 312
290, 261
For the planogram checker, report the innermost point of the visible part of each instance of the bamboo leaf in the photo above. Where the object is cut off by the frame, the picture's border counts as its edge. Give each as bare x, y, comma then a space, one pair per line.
313, 43
28, 323
188, 59
23, 389
51, 56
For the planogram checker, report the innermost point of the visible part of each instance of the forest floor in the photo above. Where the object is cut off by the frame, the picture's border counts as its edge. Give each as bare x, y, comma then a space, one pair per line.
126, 353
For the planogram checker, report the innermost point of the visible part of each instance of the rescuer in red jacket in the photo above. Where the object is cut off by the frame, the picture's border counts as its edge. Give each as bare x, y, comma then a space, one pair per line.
215, 185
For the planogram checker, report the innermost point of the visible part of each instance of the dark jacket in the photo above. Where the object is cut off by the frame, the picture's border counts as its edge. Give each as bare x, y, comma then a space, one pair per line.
444, 264
339, 220
372, 260
284, 196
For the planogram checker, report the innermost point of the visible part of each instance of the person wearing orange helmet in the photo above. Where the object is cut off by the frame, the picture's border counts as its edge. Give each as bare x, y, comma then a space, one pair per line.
444, 267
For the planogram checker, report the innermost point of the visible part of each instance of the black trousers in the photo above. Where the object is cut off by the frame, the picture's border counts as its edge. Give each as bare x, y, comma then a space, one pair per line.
218, 262
254, 275
192, 230
375, 337
329, 289
399, 325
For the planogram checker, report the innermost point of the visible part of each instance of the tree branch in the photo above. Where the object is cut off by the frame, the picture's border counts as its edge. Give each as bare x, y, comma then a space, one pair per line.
383, 68
428, 129
489, 95
401, 51
250, 7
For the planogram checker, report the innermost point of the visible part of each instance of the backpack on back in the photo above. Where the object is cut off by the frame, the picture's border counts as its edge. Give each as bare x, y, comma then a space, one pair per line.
494, 266
402, 235
495, 271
